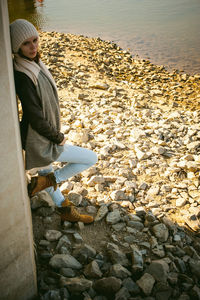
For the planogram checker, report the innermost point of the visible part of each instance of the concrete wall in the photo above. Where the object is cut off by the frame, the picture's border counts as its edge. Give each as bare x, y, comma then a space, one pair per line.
17, 265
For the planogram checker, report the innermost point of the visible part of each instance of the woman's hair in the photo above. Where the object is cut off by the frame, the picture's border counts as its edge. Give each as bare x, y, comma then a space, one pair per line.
36, 58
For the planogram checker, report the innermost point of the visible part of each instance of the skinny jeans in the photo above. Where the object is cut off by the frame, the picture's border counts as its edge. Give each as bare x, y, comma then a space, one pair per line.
77, 159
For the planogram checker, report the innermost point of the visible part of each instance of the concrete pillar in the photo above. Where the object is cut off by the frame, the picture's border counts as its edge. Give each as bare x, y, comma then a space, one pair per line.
17, 264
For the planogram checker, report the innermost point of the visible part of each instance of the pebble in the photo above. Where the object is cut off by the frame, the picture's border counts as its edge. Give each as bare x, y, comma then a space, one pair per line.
143, 123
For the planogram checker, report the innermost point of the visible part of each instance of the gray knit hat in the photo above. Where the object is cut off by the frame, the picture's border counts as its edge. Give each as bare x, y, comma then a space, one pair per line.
20, 30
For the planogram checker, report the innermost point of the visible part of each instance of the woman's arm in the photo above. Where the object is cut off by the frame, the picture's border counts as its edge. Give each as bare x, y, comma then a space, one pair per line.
31, 106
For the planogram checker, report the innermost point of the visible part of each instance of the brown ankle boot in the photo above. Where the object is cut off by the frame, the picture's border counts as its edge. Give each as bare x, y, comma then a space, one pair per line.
70, 213
67, 202
40, 183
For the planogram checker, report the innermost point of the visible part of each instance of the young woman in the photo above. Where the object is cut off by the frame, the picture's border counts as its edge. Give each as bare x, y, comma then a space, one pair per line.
42, 139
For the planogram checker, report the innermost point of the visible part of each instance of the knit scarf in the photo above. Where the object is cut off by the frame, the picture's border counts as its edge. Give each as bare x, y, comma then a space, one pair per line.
39, 151
32, 69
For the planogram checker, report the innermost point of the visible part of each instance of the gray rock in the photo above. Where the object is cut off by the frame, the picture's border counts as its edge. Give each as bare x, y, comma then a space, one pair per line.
84, 253
137, 225
118, 257
119, 226
180, 264
78, 238
137, 261
52, 235
41, 199
67, 272
76, 284
161, 232
118, 195
162, 290
146, 283
131, 286
75, 198
119, 271
64, 261
122, 294
113, 217
158, 269
102, 212
45, 211
92, 270
63, 241
195, 267
52, 294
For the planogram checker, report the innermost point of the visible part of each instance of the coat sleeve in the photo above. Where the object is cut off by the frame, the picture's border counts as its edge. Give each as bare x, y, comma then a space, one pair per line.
31, 106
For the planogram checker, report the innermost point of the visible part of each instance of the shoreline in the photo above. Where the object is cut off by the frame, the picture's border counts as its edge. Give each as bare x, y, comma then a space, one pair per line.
119, 65
137, 56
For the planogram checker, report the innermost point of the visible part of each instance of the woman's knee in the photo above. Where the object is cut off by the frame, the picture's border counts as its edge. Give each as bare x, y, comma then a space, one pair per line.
93, 158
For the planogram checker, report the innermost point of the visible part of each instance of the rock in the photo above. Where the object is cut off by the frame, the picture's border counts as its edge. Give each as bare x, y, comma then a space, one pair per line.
118, 257
195, 292
113, 217
76, 284
63, 241
52, 294
75, 198
64, 261
162, 290
119, 226
78, 239
45, 211
144, 126
118, 195
119, 271
195, 267
96, 180
101, 86
102, 212
159, 270
66, 187
137, 261
107, 285
146, 283
78, 137
161, 232
181, 202
52, 235
37, 202
140, 154
67, 272
122, 294
92, 270
84, 253
137, 225
131, 286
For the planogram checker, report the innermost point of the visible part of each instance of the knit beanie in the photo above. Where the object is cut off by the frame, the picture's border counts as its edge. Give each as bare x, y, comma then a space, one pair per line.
20, 30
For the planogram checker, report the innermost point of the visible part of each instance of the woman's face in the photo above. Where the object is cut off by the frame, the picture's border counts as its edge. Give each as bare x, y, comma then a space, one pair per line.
29, 47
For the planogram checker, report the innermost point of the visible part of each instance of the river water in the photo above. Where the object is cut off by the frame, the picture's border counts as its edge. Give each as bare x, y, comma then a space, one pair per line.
167, 32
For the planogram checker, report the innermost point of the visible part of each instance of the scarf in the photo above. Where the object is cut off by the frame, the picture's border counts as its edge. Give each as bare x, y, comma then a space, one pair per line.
39, 151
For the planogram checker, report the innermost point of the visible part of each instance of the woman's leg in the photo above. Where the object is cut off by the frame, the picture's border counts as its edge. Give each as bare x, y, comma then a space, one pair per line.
78, 159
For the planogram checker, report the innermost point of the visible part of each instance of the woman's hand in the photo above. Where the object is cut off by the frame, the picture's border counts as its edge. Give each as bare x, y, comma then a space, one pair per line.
63, 142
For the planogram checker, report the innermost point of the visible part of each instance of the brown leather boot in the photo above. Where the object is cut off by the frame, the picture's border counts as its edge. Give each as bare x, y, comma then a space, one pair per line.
67, 202
39, 183
70, 213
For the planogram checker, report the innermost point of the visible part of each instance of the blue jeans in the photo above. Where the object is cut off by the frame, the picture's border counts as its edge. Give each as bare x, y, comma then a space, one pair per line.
77, 159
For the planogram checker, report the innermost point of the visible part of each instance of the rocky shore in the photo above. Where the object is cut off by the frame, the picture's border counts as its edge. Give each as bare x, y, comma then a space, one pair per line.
143, 122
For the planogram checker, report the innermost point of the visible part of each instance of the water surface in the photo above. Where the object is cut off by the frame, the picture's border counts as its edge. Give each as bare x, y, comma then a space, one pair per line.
164, 31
